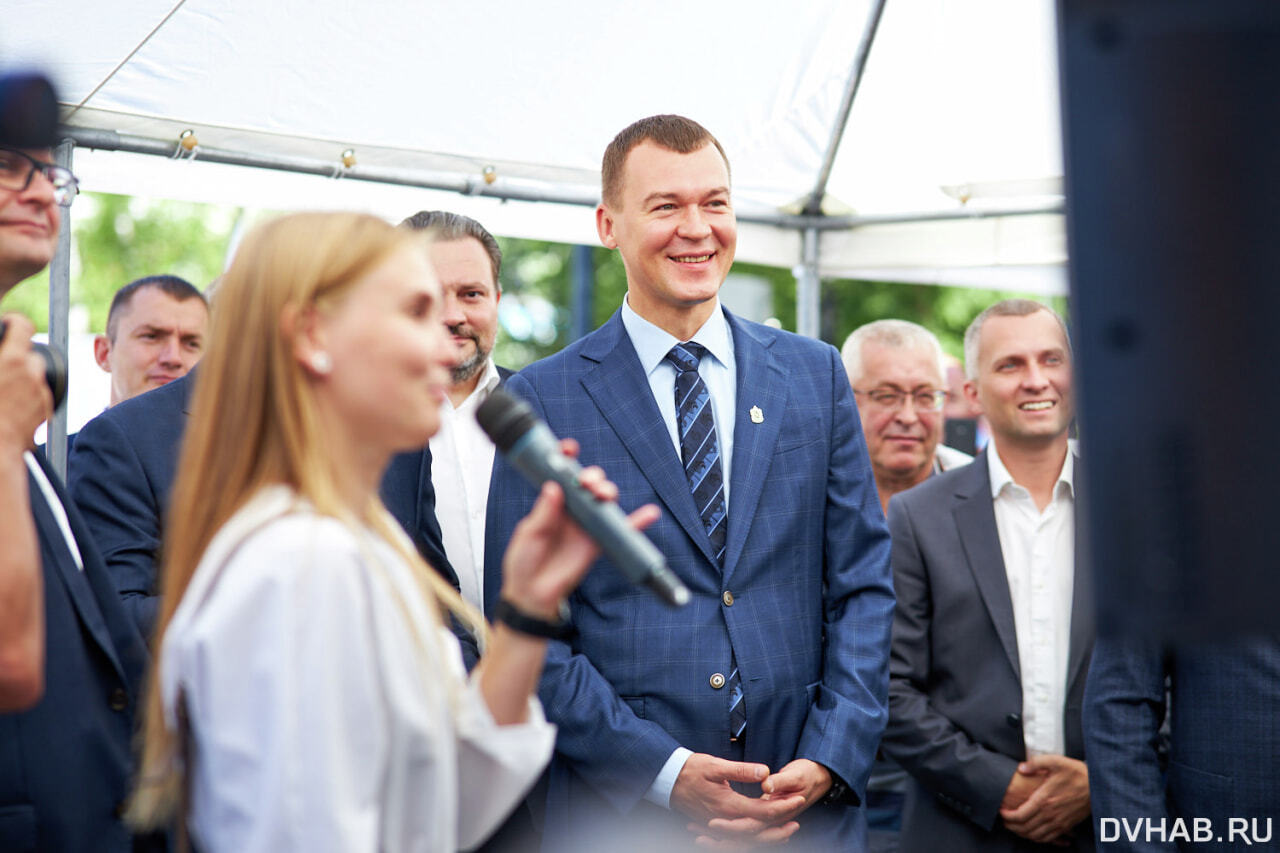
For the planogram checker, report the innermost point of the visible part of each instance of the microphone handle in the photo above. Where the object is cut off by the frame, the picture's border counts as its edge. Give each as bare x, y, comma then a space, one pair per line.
537, 455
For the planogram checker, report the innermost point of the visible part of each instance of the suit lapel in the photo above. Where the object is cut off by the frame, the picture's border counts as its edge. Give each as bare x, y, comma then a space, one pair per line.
620, 390
760, 384
975, 517
72, 578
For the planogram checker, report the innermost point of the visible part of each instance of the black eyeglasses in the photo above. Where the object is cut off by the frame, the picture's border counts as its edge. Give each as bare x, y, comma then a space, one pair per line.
17, 168
892, 400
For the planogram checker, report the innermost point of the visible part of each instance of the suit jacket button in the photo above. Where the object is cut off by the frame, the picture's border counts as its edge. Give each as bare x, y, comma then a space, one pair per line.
727, 598
1013, 720
717, 680
118, 700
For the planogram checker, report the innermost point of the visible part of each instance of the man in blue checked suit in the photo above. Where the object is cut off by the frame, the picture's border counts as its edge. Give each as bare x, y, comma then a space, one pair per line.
753, 713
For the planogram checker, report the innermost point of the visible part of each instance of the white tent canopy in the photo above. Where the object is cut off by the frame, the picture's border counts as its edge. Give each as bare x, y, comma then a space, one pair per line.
956, 102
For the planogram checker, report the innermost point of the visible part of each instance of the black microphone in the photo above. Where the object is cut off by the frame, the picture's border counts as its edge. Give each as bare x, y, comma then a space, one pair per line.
532, 448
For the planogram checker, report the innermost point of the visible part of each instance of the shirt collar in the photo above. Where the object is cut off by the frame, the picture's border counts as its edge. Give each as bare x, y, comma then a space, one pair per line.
1000, 476
489, 379
652, 343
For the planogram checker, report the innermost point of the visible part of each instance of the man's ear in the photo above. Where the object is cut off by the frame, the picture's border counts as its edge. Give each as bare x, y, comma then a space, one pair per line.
101, 351
971, 394
604, 226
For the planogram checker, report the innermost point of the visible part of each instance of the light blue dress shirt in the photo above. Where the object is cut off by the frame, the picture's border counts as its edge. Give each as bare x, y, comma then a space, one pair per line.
720, 372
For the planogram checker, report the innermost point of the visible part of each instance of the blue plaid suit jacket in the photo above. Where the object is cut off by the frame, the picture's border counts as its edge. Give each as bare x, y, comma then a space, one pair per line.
807, 562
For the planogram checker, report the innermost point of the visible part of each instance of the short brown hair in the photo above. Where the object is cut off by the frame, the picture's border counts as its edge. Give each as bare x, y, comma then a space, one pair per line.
1004, 308
177, 288
675, 133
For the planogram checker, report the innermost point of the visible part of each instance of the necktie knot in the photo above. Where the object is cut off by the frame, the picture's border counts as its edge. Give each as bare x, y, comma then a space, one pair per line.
686, 356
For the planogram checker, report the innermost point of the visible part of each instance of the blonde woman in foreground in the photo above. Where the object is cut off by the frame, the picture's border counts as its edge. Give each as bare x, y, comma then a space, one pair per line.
306, 695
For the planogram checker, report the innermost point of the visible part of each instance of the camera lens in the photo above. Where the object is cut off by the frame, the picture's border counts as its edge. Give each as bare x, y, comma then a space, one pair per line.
55, 367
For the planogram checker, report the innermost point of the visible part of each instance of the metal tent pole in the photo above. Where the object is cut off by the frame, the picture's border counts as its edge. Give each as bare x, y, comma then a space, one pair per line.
59, 309
808, 287
814, 206
584, 282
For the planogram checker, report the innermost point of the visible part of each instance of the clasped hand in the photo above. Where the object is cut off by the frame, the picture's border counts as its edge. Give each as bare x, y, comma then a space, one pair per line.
728, 820
1047, 796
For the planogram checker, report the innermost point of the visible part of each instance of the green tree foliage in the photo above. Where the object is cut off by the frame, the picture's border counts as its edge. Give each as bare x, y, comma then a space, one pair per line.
117, 239
536, 269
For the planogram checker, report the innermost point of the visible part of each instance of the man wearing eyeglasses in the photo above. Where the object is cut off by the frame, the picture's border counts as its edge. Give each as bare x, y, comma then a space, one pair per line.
898, 378
65, 758
898, 375
994, 623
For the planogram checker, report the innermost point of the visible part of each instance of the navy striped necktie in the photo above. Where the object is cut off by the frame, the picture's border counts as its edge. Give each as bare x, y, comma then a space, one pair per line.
700, 453
699, 449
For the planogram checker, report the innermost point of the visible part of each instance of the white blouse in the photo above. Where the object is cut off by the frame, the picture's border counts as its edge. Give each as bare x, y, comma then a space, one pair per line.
319, 718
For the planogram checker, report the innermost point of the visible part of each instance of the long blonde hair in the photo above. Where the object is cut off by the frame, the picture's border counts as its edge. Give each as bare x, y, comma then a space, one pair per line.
255, 422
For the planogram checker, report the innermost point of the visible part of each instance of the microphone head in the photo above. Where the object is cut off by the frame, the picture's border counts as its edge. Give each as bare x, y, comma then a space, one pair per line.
28, 111
505, 418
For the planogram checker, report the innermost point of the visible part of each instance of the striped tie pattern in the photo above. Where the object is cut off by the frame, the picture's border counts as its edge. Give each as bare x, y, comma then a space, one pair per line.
700, 453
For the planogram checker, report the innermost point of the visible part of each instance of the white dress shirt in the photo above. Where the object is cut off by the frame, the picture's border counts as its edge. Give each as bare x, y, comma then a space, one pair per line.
461, 463
55, 506
328, 708
1039, 560
720, 373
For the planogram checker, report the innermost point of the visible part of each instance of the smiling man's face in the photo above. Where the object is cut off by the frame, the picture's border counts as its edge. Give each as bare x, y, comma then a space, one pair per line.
900, 440
1023, 380
675, 229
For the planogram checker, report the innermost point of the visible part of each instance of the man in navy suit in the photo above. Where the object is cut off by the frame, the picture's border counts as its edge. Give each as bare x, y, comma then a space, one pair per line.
1219, 790
65, 762
122, 469
468, 261
752, 713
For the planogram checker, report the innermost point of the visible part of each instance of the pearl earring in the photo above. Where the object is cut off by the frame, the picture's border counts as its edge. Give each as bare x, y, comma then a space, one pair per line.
321, 363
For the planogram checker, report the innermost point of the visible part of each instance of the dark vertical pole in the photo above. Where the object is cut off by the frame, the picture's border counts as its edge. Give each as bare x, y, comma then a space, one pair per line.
584, 282
1171, 122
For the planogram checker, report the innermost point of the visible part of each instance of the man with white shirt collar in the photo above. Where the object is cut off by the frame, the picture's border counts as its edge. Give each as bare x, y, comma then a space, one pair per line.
751, 714
71, 662
468, 262
994, 624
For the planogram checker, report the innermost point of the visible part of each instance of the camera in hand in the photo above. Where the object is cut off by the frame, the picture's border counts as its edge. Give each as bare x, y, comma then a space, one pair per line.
55, 367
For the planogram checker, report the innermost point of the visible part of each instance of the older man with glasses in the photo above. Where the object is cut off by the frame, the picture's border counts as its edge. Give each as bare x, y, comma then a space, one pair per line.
71, 662
899, 382
898, 376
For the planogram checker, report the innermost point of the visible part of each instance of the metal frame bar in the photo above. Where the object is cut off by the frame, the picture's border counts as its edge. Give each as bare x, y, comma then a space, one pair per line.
59, 308
107, 140
808, 287
814, 206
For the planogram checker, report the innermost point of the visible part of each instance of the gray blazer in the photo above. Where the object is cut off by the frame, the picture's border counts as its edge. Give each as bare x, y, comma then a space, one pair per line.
955, 693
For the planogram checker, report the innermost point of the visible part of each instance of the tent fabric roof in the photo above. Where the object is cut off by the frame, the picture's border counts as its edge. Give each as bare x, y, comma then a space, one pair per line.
953, 95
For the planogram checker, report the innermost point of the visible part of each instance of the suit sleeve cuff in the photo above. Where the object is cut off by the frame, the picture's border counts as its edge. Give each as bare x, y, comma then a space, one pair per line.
659, 792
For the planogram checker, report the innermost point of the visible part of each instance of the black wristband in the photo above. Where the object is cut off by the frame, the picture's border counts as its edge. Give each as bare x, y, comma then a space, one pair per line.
838, 794
516, 619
